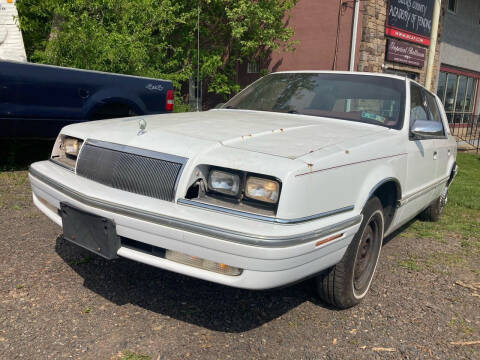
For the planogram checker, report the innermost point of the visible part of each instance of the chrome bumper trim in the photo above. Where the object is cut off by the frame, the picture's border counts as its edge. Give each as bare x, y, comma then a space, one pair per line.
259, 217
194, 227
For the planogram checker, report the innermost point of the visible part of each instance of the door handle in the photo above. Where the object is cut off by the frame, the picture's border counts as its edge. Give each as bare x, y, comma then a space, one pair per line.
435, 155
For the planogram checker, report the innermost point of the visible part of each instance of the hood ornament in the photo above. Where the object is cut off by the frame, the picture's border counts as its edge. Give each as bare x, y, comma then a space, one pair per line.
142, 124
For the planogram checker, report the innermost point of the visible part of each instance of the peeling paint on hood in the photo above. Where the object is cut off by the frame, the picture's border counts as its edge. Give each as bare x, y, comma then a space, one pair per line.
186, 134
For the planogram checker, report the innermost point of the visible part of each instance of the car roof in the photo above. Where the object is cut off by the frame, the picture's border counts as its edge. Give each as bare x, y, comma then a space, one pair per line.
341, 72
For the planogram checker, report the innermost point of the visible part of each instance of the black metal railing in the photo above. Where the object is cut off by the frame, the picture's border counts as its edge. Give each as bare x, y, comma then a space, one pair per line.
467, 132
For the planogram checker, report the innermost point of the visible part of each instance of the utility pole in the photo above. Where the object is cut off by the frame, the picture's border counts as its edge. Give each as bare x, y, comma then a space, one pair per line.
198, 57
354, 36
433, 44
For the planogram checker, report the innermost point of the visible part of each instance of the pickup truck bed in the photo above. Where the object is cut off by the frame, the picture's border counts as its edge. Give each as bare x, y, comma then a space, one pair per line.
38, 100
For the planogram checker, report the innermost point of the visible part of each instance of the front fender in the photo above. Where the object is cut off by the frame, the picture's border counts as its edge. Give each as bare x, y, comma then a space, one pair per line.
375, 178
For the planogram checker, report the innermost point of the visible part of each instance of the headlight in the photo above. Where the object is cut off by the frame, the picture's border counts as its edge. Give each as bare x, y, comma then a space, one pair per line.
71, 146
66, 150
224, 182
262, 189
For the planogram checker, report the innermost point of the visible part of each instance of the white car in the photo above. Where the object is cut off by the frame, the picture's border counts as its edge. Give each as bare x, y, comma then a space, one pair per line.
301, 174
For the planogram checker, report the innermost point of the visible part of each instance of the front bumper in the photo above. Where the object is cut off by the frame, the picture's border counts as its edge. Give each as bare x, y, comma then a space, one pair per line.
270, 255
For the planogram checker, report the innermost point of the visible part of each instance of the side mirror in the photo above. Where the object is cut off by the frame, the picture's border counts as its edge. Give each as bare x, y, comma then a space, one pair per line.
218, 106
425, 129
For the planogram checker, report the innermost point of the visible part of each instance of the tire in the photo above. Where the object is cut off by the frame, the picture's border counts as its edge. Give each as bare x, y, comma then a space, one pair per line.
434, 211
346, 284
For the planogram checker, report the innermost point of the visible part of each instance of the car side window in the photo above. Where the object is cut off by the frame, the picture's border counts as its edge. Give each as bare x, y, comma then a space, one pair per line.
433, 110
434, 113
418, 104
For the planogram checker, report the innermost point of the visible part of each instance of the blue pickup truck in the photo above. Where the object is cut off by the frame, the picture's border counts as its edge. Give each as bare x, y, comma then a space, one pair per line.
38, 100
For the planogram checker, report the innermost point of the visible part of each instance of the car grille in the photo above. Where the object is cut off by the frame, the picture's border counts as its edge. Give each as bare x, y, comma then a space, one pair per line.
131, 169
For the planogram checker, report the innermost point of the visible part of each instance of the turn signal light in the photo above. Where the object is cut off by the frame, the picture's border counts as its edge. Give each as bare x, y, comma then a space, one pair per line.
202, 263
331, 238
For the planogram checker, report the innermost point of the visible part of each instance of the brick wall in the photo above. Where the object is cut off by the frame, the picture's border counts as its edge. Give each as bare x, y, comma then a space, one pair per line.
11, 42
374, 42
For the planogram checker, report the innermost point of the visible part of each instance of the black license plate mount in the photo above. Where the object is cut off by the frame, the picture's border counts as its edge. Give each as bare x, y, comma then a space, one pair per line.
92, 232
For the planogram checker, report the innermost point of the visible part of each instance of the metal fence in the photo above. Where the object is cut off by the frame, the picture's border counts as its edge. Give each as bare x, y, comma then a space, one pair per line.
467, 133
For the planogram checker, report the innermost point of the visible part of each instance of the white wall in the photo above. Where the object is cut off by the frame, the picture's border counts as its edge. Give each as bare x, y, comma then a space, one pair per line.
11, 42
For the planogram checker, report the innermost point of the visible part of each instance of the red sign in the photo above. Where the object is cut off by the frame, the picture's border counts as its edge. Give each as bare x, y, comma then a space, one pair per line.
404, 53
404, 35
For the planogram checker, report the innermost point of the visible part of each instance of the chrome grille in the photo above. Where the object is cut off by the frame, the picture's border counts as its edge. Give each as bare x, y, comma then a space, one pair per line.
131, 169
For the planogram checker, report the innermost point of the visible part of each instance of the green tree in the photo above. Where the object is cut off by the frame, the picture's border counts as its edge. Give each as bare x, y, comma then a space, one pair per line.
156, 38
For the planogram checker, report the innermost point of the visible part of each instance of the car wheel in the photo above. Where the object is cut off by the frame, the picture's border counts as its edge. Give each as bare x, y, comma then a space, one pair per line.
347, 283
434, 211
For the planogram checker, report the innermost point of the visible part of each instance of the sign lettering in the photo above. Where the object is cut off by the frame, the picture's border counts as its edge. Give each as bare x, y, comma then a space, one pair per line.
410, 20
404, 53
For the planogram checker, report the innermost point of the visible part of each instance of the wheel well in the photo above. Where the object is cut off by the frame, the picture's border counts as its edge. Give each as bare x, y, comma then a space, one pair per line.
112, 110
389, 194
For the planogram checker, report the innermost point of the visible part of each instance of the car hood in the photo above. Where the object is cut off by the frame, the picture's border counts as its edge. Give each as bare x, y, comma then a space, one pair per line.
187, 134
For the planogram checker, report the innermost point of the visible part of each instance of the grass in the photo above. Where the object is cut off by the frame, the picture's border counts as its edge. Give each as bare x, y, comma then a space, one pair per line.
83, 260
412, 263
129, 355
460, 220
461, 325
461, 216
19, 154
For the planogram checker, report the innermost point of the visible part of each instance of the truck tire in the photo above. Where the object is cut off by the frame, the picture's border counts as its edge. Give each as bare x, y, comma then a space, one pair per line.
346, 284
434, 211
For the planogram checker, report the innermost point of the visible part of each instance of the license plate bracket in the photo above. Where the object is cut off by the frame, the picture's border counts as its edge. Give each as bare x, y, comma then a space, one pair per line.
92, 232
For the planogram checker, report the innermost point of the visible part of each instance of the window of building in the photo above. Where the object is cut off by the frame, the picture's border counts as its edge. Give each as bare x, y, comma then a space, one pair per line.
457, 93
252, 68
452, 6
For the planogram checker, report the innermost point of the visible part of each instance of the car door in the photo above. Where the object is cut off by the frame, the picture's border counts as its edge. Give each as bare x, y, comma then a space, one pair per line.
445, 148
422, 158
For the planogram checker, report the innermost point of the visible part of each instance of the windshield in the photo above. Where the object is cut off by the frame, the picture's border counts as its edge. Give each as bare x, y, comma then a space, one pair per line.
364, 98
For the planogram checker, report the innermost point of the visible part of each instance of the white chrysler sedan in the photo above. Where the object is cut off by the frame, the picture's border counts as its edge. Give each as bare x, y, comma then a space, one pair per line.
302, 174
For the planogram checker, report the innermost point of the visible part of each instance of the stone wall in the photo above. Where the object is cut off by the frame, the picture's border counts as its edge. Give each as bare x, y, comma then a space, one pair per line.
374, 42
11, 41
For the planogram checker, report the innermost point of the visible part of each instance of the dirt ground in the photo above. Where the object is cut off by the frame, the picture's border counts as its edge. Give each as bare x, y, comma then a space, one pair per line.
59, 301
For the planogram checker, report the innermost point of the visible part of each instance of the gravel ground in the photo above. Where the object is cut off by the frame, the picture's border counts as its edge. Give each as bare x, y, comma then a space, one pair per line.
59, 301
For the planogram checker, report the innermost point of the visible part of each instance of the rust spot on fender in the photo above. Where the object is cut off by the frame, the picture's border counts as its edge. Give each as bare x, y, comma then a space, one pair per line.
310, 167
281, 129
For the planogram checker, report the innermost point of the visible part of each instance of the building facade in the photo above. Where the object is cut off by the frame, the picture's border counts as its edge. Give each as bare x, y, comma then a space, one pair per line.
459, 76
393, 36
323, 32
396, 38
11, 41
